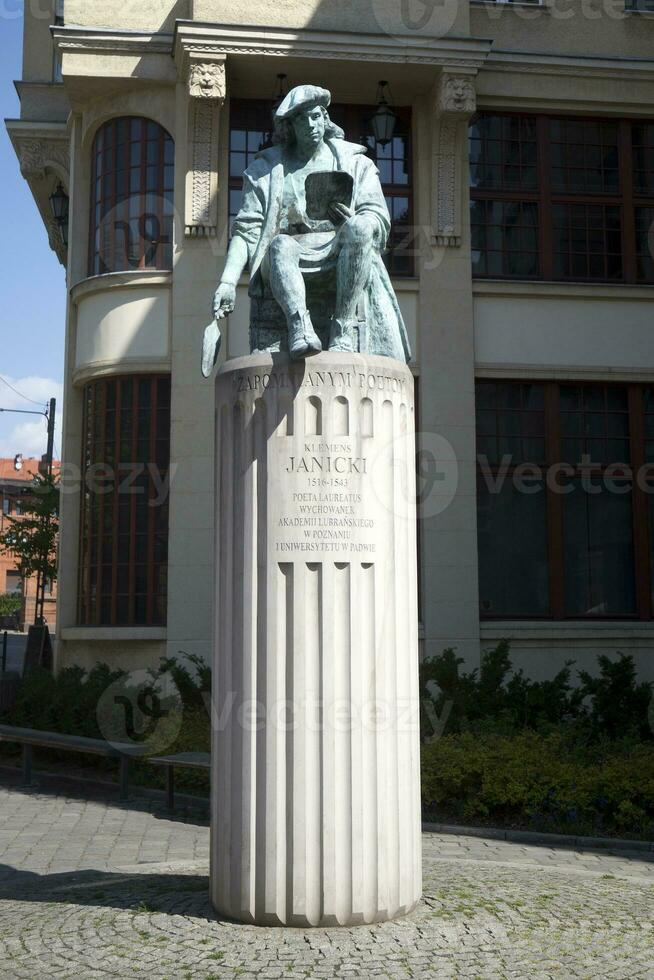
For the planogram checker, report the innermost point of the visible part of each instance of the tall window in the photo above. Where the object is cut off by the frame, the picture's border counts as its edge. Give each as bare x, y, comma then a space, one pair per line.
124, 530
565, 499
562, 198
250, 131
132, 197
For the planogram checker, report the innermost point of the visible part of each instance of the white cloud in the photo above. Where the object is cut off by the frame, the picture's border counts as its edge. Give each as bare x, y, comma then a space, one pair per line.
27, 434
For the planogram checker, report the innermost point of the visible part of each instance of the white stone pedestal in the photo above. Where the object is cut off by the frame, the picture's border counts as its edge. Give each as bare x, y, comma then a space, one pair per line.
316, 770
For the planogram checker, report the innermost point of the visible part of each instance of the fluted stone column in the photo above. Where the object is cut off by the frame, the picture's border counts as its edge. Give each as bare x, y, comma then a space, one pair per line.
316, 801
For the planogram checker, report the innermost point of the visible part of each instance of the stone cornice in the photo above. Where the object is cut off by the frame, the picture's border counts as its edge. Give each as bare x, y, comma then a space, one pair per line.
135, 279
541, 63
192, 37
207, 39
99, 40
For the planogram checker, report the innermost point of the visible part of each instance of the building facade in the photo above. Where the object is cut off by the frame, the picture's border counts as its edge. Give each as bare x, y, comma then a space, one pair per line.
521, 184
14, 493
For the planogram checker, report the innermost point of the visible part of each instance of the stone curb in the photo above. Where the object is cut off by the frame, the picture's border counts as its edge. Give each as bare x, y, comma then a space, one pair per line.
536, 837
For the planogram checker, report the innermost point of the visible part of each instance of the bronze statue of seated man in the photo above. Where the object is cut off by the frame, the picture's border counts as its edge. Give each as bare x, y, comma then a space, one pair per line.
313, 207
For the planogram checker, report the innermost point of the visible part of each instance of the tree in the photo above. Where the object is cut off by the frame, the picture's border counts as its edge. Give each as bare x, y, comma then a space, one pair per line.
32, 538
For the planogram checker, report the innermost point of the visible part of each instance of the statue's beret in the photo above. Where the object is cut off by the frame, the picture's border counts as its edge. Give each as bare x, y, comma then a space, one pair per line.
302, 97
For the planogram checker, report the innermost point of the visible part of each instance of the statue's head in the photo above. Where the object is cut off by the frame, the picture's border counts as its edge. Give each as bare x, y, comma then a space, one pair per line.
302, 118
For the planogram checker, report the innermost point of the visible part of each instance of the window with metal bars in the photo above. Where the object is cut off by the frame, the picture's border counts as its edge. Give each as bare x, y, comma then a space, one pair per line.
562, 198
565, 482
251, 131
124, 521
132, 197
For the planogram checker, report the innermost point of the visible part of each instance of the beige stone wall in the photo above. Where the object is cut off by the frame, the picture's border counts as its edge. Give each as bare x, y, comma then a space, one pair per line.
37, 41
555, 328
570, 27
133, 15
372, 16
123, 329
123, 654
542, 649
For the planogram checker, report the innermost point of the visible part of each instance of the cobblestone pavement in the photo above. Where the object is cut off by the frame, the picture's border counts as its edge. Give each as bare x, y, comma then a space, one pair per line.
90, 888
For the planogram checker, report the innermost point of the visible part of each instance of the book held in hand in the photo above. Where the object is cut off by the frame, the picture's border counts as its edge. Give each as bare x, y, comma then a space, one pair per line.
324, 188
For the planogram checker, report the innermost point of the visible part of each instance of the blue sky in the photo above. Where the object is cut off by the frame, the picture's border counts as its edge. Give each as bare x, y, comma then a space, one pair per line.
32, 282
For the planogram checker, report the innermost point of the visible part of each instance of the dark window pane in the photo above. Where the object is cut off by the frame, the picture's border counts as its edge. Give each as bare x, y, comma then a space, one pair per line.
584, 157
598, 552
503, 153
119, 528
498, 228
643, 158
513, 560
582, 231
645, 244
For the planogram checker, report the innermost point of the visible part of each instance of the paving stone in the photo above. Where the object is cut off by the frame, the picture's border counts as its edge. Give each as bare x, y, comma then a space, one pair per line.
91, 888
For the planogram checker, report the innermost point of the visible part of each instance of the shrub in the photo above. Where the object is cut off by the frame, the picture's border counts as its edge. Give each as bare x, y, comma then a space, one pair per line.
10, 603
496, 699
540, 754
68, 702
617, 704
540, 781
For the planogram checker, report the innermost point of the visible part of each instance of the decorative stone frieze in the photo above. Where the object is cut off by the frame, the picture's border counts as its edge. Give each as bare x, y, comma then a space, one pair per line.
37, 155
456, 102
207, 89
43, 160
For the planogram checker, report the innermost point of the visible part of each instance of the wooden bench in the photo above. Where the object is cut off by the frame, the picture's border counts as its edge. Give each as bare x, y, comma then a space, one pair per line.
29, 737
186, 760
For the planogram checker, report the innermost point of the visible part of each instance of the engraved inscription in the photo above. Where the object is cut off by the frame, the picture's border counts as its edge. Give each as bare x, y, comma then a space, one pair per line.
322, 501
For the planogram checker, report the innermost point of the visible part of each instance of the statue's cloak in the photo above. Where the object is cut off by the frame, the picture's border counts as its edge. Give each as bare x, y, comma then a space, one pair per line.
258, 221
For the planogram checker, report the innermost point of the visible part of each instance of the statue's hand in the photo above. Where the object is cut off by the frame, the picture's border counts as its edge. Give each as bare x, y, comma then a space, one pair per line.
340, 212
224, 300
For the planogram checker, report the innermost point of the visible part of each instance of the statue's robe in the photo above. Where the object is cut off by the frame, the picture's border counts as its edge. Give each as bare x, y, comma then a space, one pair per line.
258, 221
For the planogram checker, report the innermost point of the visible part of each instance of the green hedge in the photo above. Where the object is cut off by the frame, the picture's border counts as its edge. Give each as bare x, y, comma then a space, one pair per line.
542, 782
10, 603
497, 699
512, 752
68, 702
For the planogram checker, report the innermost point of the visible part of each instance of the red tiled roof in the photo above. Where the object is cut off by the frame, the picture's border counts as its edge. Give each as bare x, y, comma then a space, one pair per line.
26, 474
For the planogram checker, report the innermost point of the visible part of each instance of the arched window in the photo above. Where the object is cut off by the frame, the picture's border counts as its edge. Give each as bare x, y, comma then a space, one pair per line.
132, 191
